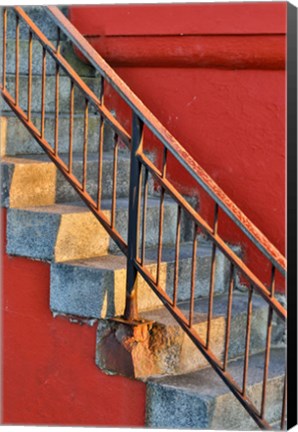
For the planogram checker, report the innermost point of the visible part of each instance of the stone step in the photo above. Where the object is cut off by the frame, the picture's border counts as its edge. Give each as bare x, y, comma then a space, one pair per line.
64, 232
39, 16
64, 93
201, 400
34, 180
66, 49
95, 288
167, 350
16, 140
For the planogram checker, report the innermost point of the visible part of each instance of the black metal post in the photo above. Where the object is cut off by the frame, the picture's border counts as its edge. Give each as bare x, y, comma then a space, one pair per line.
131, 307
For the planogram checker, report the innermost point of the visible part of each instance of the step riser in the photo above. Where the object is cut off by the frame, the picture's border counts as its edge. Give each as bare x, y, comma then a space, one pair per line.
70, 282
65, 49
40, 183
76, 235
185, 410
16, 140
64, 93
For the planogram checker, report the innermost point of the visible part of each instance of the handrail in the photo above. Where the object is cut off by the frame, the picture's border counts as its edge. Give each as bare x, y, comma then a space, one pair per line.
186, 160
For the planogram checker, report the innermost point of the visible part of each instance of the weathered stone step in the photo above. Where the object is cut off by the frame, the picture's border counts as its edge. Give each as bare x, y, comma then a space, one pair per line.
64, 93
64, 232
201, 400
39, 16
95, 288
16, 140
35, 180
167, 350
66, 49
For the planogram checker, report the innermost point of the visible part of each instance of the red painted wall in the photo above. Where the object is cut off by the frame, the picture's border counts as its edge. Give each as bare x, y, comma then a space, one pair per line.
214, 75
49, 374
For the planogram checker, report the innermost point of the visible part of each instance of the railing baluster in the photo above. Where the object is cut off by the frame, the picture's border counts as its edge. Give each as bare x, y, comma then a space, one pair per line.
131, 311
177, 251
114, 192
212, 278
193, 277
57, 83
17, 48
85, 145
160, 233
100, 155
161, 217
144, 216
229, 316
247, 340
43, 91
4, 47
29, 97
71, 109
268, 345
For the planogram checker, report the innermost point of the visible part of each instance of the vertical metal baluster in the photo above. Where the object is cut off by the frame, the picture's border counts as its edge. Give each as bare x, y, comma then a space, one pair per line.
144, 216
212, 278
100, 154
284, 404
177, 251
161, 217
247, 341
71, 109
57, 82
131, 306
268, 344
114, 192
193, 277
85, 145
29, 98
100, 145
43, 91
4, 46
17, 60
229, 316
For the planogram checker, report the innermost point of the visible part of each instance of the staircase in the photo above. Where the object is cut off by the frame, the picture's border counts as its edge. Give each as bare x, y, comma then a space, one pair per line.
46, 220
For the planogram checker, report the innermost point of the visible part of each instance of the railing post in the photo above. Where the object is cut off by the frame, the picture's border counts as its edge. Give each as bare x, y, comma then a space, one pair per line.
131, 306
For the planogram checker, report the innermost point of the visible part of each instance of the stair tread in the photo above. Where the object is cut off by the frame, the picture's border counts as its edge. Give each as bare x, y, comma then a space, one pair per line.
80, 206
162, 316
207, 383
77, 157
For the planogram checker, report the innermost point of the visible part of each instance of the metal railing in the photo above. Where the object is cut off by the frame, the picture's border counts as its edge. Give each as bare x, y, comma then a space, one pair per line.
141, 167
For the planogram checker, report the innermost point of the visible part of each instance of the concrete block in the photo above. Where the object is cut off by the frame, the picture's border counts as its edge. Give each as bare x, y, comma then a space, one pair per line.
75, 232
171, 352
201, 400
64, 93
16, 140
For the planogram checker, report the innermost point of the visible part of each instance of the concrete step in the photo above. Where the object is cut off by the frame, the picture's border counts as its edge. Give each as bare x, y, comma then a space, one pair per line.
167, 350
35, 181
66, 49
64, 232
64, 93
16, 140
95, 288
201, 400
40, 18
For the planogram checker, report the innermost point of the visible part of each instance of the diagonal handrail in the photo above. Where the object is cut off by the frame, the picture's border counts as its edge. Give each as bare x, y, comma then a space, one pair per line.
186, 160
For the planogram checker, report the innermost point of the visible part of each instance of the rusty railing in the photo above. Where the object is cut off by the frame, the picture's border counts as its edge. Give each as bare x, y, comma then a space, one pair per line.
141, 167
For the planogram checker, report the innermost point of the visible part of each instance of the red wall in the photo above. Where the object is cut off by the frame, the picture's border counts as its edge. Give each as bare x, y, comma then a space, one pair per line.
49, 374
214, 75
